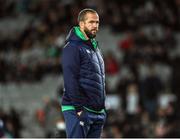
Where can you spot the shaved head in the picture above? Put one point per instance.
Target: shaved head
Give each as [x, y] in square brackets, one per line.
[84, 12]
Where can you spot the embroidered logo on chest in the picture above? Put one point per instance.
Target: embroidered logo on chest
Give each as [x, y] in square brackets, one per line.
[88, 51]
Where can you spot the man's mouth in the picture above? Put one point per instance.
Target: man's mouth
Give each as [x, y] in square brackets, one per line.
[94, 31]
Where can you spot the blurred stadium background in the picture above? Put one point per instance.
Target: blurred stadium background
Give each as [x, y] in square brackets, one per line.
[140, 41]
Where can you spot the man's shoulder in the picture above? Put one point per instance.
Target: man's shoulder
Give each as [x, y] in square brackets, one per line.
[73, 45]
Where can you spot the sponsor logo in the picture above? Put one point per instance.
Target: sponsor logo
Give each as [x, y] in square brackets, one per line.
[88, 51]
[81, 123]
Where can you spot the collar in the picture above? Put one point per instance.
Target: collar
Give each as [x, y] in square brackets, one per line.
[79, 33]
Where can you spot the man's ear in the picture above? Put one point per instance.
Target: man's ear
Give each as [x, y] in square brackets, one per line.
[81, 24]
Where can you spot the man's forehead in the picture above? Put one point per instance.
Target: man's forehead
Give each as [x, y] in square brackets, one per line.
[93, 16]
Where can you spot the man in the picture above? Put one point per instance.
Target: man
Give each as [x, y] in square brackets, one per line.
[83, 102]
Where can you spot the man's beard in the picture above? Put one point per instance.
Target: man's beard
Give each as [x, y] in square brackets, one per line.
[89, 34]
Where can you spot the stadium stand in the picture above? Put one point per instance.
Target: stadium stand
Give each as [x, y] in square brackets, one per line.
[140, 41]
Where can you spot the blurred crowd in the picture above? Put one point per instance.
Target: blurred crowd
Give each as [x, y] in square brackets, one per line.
[10, 123]
[145, 78]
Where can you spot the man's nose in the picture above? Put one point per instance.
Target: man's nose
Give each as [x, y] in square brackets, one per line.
[95, 25]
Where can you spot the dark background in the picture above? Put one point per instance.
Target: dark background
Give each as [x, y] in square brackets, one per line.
[140, 41]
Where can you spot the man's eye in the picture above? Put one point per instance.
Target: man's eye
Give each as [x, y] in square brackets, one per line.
[94, 22]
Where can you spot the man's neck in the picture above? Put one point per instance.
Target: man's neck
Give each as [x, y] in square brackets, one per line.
[84, 34]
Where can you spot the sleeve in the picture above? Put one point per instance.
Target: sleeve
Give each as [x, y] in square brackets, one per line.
[71, 69]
